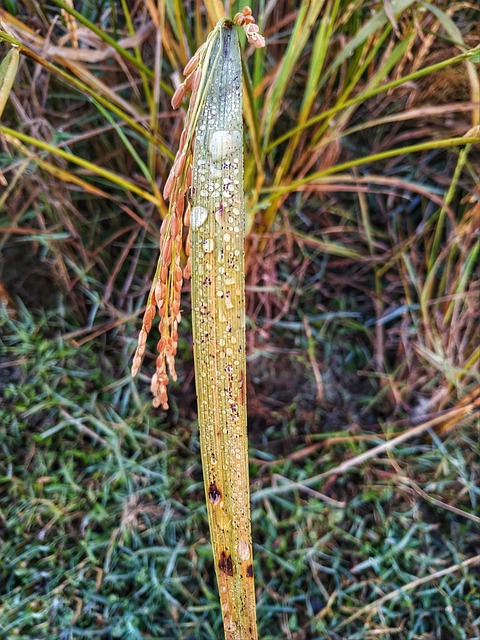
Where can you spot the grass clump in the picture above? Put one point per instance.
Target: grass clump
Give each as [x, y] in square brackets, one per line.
[362, 191]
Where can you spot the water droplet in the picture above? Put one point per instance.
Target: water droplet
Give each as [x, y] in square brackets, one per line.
[208, 245]
[225, 143]
[198, 217]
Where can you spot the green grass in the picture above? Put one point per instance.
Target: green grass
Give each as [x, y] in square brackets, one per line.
[362, 306]
[104, 530]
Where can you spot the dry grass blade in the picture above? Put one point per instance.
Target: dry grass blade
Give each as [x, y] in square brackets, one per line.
[373, 607]
[218, 310]
[450, 418]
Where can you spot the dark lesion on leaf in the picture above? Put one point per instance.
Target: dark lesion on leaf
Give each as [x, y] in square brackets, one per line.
[241, 390]
[250, 571]
[214, 493]
[225, 564]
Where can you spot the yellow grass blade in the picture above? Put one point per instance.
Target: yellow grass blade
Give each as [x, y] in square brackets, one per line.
[218, 312]
[94, 168]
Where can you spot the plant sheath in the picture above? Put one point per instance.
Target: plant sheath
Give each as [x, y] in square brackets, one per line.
[218, 313]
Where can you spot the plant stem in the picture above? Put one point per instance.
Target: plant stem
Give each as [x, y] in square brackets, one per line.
[218, 310]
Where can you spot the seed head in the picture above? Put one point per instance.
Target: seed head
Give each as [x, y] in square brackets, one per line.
[178, 96]
[191, 65]
[247, 21]
[165, 292]
[167, 189]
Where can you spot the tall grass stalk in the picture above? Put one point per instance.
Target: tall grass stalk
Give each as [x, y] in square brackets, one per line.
[218, 314]
[208, 172]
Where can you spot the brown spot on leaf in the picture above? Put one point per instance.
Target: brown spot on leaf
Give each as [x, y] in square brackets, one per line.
[250, 571]
[214, 493]
[225, 564]
[241, 389]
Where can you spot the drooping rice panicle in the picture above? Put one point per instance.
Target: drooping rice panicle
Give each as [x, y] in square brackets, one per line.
[164, 296]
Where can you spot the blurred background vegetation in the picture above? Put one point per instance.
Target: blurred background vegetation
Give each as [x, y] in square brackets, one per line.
[362, 168]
